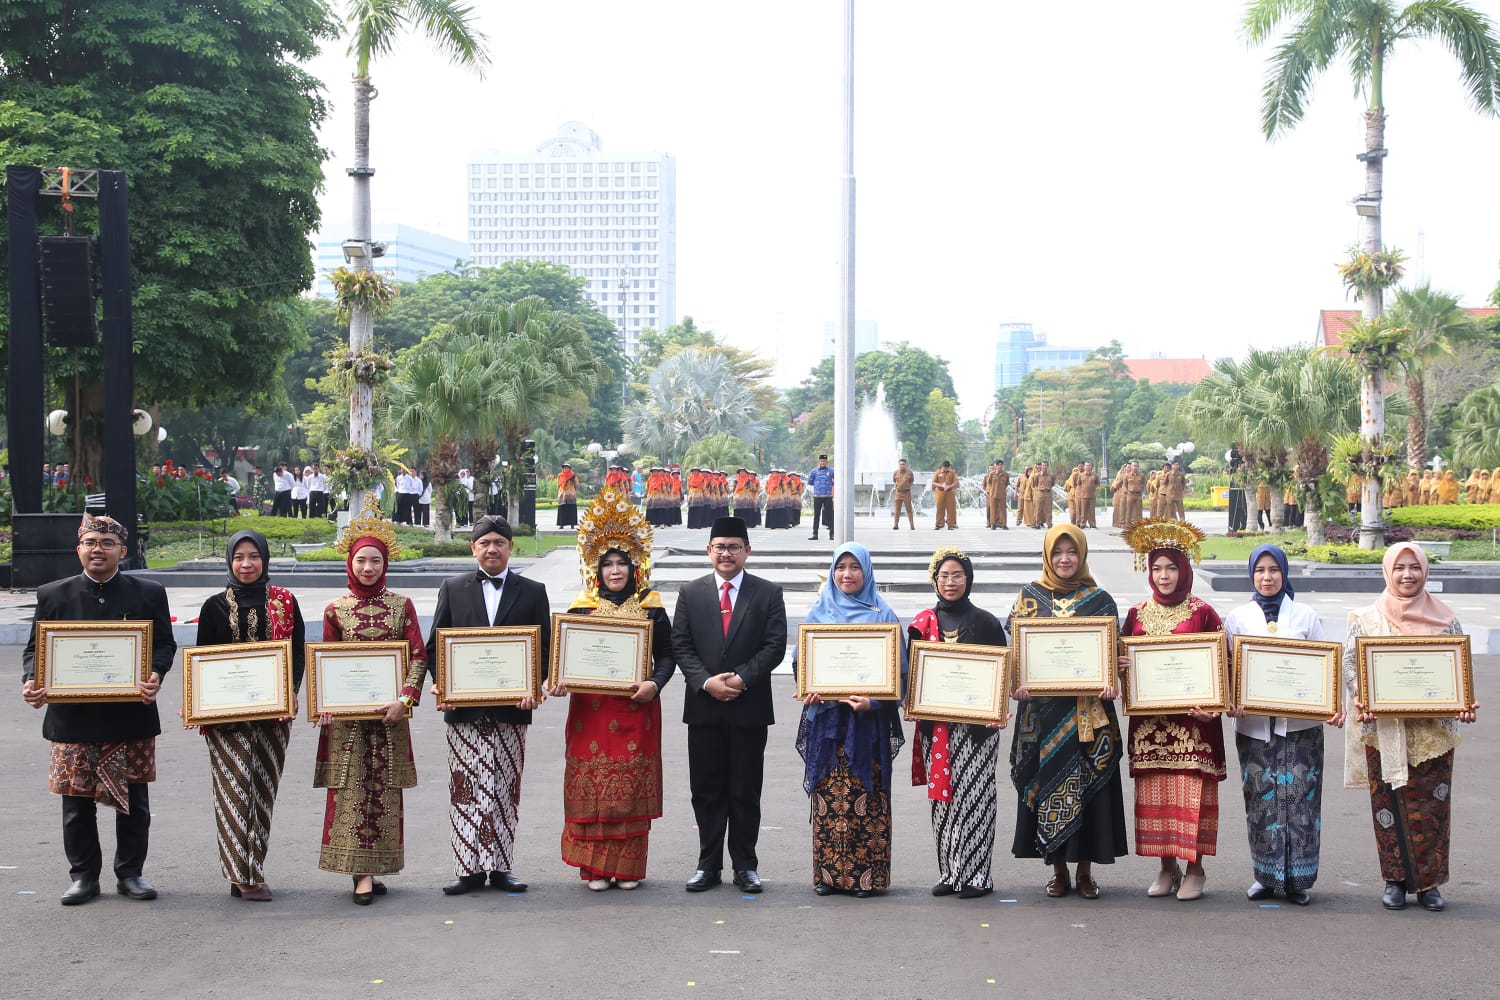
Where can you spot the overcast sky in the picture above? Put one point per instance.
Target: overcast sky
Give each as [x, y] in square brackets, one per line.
[1096, 168]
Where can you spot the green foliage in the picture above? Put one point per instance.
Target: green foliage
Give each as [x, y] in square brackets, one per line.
[368, 290]
[1059, 447]
[192, 499]
[1476, 431]
[719, 451]
[1367, 272]
[944, 441]
[1465, 516]
[657, 347]
[1351, 555]
[909, 375]
[694, 394]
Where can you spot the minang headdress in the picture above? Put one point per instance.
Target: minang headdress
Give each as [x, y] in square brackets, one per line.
[370, 523]
[1155, 533]
[612, 522]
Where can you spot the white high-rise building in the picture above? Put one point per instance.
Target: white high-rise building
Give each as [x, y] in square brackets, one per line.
[610, 218]
[410, 253]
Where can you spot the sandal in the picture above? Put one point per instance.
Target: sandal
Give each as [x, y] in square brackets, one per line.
[1059, 886]
[1087, 887]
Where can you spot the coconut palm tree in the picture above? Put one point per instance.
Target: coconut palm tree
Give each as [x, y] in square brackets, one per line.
[1366, 33]
[374, 26]
[1434, 324]
[1476, 439]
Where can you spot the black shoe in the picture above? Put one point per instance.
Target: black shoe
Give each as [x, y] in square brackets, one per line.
[863, 893]
[1258, 891]
[377, 887]
[1299, 896]
[506, 881]
[748, 880]
[135, 887]
[974, 892]
[1431, 900]
[943, 889]
[823, 890]
[463, 884]
[81, 892]
[1395, 896]
[703, 880]
[813, 538]
[363, 898]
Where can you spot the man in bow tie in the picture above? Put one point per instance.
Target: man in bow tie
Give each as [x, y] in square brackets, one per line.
[487, 746]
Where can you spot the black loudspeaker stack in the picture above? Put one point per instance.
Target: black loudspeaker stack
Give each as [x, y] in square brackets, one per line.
[68, 311]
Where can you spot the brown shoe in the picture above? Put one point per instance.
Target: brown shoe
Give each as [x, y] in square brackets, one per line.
[254, 893]
[1059, 886]
[1087, 887]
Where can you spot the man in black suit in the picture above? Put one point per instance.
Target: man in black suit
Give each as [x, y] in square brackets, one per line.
[728, 634]
[487, 746]
[103, 752]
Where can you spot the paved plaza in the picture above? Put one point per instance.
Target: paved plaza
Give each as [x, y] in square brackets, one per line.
[560, 940]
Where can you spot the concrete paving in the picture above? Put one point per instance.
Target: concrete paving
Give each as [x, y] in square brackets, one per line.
[559, 940]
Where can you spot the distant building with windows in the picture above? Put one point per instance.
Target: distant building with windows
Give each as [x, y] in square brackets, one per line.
[1021, 349]
[866, 337]
[410, 253]
[611, 218]
[1334, 323]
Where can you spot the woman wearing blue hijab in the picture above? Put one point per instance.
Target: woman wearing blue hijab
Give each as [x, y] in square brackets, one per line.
[1281, 760]
[848, 747]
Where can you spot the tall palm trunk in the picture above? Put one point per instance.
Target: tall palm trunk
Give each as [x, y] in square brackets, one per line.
[361, 328]
[1372, 386]
[1416, 433]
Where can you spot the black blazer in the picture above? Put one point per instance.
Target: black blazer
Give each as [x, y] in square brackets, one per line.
[754, 647]
[124, 598]
[460, 604]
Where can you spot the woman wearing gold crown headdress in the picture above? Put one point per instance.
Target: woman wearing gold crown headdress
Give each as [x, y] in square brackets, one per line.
[1177, 761]
[365, 765]
[612, 785]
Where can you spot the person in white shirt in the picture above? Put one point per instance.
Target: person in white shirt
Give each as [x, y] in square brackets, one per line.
[466, 513]
[408, 488]
[424, 501]
[281, 479]
[317, 491]
[299, 494]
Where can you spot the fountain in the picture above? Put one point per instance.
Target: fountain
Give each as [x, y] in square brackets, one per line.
[876, 450]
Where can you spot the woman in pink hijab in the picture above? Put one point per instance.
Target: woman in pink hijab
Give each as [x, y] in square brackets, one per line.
[1406, 763]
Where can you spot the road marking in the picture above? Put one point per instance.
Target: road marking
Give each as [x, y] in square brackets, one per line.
[713, 952]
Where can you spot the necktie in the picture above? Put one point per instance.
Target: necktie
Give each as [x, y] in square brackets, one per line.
[726, 610]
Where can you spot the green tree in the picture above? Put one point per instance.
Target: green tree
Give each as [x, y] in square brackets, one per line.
[694, 394]
[1366, 33]
[1476, 436]
[908, 373]
[944, 441]
[205, 108]
[373, 27]
[655, 347]
[1059, 446]
[1434, 325]
[720, 451]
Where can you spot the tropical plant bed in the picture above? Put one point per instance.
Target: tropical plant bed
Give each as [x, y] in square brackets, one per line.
[1463, 517]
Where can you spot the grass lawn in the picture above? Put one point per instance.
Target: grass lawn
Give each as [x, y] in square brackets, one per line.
[1237, 550]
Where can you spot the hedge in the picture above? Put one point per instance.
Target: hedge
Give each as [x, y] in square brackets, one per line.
[1464, 516]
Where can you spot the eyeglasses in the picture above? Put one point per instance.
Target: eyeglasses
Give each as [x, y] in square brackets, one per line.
[99, 543]
[726, 550]
[952, 577]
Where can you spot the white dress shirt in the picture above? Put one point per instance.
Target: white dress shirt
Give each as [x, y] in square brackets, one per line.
[1294, 621]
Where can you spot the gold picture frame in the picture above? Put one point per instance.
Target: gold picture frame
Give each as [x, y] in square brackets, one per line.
[843, 661]
[355, 680]
[1169, 674]
[476, 666]
[596, 654]
[1291, 678]
[958, 682]
[1437, 679]
[237, 682]
[92, 662]
[1064, 656]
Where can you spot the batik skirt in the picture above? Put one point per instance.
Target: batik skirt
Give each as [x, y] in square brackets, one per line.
[851, 829]
[1176, 814]
[246, 760]
[963, 829]
[1283, 781]
[1413, 822]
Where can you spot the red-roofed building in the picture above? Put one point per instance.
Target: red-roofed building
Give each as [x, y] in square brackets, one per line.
[1333, 322]
[1188, 371]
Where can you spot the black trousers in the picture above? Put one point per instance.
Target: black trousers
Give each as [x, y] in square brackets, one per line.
[1238, 512]
[726, 768]
[317, 504]
[81, 835]
[823, 514]
[281, 504]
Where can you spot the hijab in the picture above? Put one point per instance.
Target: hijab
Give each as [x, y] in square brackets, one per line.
[963, 604]
[632, 584]
[1419, 615]
[355, 587]
[252, 594]
[835, 607]
[1184, 576]
[1082, 578]
[1271, 606]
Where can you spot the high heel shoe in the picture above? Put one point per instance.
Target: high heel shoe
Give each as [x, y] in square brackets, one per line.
[1167, 882]
[1192, 887]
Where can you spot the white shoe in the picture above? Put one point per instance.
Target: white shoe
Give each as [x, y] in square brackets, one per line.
[598, 884]
[1167, 881]
[627, 883]
[1192, 887]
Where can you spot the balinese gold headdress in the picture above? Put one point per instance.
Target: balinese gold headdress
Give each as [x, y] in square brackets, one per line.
[945, 552]
[612, 522]
[1163, 533]
[372, 523]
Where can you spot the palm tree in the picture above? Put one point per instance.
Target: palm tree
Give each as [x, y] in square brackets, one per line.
[374, 26]
[1434, 325]
[1366, 33]
[1476, 439]
[692, 395]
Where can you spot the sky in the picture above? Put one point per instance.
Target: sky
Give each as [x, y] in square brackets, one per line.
[1096, 169]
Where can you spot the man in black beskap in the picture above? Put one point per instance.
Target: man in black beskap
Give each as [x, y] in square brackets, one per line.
[103, 752]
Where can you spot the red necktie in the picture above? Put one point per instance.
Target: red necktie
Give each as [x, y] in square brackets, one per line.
[726, 610]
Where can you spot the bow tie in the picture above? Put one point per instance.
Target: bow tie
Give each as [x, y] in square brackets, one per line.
[498, 581]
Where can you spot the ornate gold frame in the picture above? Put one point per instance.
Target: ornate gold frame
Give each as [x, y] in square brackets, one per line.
[557, 670]
[1368, 646]
[887, 688]
[528, 635]
[318, 651]
[1106, 677]
[196, 657]
[47, 632]
[995, 711]
[1244, 645]
[1137, 644]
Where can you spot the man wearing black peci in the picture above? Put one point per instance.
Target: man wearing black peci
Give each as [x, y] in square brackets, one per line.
[487, 746]
[105, 752]
[728, 634]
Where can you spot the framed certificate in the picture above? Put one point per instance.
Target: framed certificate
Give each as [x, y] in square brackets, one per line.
[489, 666]
[92, 661]
[354, 680]
[840, 661]
[953, 682]
[1168, 674]
[598, 655]
[1295, 678]
[1064, 656]
[239, 682]
[1414, 675]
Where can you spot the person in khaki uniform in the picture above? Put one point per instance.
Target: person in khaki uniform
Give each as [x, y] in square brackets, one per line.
[1131, 491]
[1176, 491]
[1447, 488]
[1070, 490]
[902, 480]
[1262, 504]
[995, 483]
[1153, 493]
[1023, 496]
[1424, 492]
[1117, 495]
[1087, 485]
[1042, 482]
[1494, 496]
[1471, 485]
[945, 495]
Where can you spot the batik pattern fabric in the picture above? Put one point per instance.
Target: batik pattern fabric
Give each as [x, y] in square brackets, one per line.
[1413, 822]
[1283, 783]
[851, 827]
[1065, 755]
[485, 761]
[103, 772]
[365, 765]
[246, 761]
